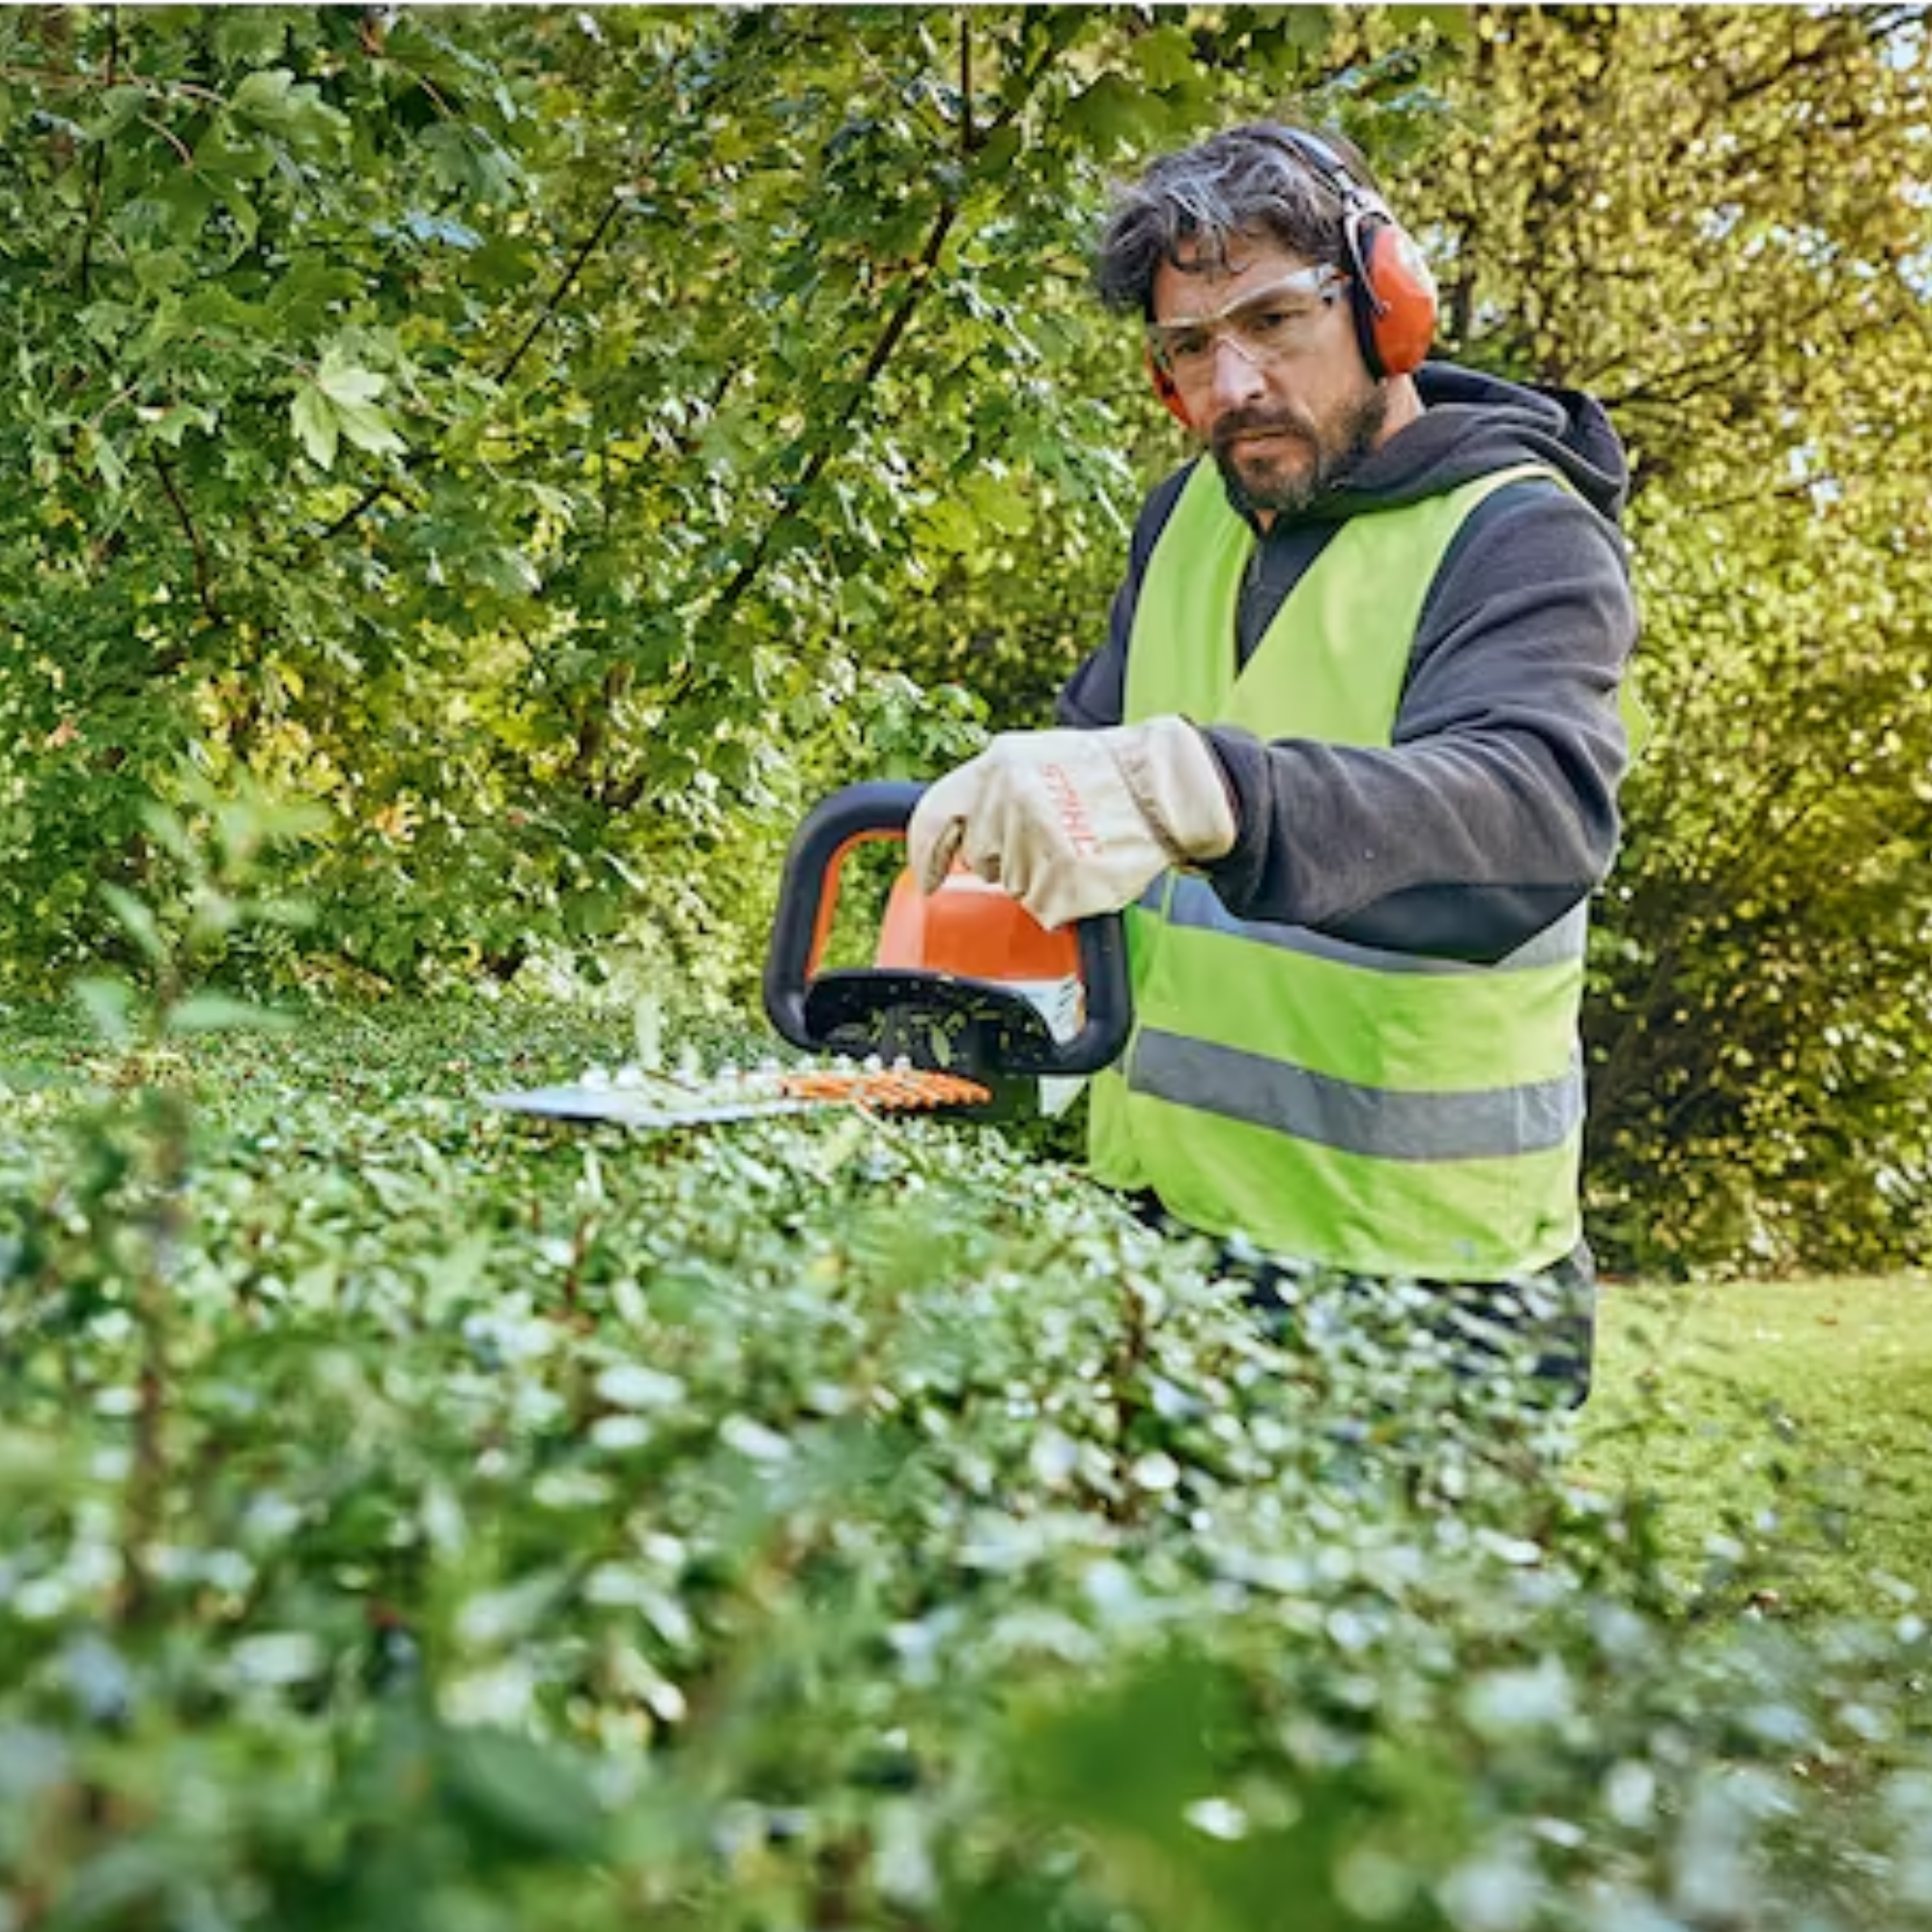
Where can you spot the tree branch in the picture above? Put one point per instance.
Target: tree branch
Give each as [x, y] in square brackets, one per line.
[96, 185]
[685, 678]
[1718, 506]
[968, 141]
[890, 337]
[1671, 388]
[618, 202]
[80, 83]
[1824, 46]
[204, 584]
[173, 139]
[377, 490]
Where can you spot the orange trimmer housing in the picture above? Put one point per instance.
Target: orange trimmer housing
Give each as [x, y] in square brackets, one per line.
[972, 929]
[959, 975]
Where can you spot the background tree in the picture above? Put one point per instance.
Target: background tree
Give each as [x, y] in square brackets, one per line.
[1715, 219]
[527, 431]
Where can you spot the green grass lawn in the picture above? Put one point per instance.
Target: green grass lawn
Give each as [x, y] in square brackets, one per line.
[1786, 1429]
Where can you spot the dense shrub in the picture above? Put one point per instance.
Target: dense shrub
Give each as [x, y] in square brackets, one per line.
[413, 1516]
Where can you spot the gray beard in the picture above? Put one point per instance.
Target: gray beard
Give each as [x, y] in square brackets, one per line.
[1335, 461]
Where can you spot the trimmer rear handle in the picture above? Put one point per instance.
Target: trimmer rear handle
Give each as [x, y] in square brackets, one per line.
[808, 894]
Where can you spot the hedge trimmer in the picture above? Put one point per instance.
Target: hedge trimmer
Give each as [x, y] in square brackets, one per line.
[970, 1008]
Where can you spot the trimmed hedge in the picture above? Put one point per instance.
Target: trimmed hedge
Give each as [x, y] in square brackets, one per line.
[413, 1516]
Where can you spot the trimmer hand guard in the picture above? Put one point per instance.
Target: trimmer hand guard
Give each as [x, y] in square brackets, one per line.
[943, 1021]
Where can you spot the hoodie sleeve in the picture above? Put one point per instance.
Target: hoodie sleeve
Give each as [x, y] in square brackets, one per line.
[1493, 810]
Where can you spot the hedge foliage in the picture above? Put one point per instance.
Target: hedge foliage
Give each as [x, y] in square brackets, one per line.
[415, 1516]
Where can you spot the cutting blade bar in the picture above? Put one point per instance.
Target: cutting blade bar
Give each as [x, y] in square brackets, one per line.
[662, 1104]
[627, 1108]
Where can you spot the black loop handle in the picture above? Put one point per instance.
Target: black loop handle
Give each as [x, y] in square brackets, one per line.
[807, 892]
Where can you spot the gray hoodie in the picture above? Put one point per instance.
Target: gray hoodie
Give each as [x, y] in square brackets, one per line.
[1493, 810]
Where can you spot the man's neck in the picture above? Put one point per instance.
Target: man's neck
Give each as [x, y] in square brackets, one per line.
[1405, 407]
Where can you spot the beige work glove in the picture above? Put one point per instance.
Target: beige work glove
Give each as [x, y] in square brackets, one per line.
[1075, 823]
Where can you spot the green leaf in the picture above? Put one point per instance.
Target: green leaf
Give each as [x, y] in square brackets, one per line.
[343, 381]
[265, 94]
[218, 1012]
[1000, 151]
[136, 919]
[105, 459]
[347, 393]
[1456, 23]
[1165, 56]
[109, 1005]
[1309, 28]
[272, 101]
[1111, 112]
[369, 428]
[120, 108]
[505, 571]
[315, 422]
[174, 423]
[527, 1794]
[250, 34]
[466, 159]
[169, 831]
[303, 296]
[157, 271]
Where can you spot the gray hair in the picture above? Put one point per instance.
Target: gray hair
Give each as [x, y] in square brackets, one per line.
[1250, 182]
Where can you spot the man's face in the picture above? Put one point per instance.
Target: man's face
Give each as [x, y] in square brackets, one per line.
[1274, 379]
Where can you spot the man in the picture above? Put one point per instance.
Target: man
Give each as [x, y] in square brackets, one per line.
[1350, 753]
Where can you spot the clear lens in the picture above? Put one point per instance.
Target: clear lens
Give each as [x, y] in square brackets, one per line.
[1265, 325]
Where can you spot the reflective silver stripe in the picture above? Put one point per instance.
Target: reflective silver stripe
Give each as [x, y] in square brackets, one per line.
[1481, 1123]
[1196, 904]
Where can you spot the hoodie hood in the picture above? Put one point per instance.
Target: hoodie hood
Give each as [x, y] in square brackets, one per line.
[1473, 425]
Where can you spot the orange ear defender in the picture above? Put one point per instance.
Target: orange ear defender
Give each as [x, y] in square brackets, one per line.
[1165, 388]
[1391, 290]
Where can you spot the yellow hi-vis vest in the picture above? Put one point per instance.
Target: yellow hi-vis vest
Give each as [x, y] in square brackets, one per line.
[1375, 1111]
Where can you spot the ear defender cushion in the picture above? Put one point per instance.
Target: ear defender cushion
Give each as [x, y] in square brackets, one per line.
[1395, 313]
[1170, 396]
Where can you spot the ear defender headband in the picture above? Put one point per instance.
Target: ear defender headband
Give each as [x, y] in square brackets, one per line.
[1391, 293]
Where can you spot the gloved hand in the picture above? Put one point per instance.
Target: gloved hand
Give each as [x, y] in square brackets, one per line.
[1075, 823]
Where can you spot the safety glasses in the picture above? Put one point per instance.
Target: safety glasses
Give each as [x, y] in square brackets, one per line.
[1264, 324]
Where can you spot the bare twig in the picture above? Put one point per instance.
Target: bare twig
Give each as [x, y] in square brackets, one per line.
[967, 139]
[173, 139]
[97, 184]
[568, 280]
[81, 84]
[204, 582]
